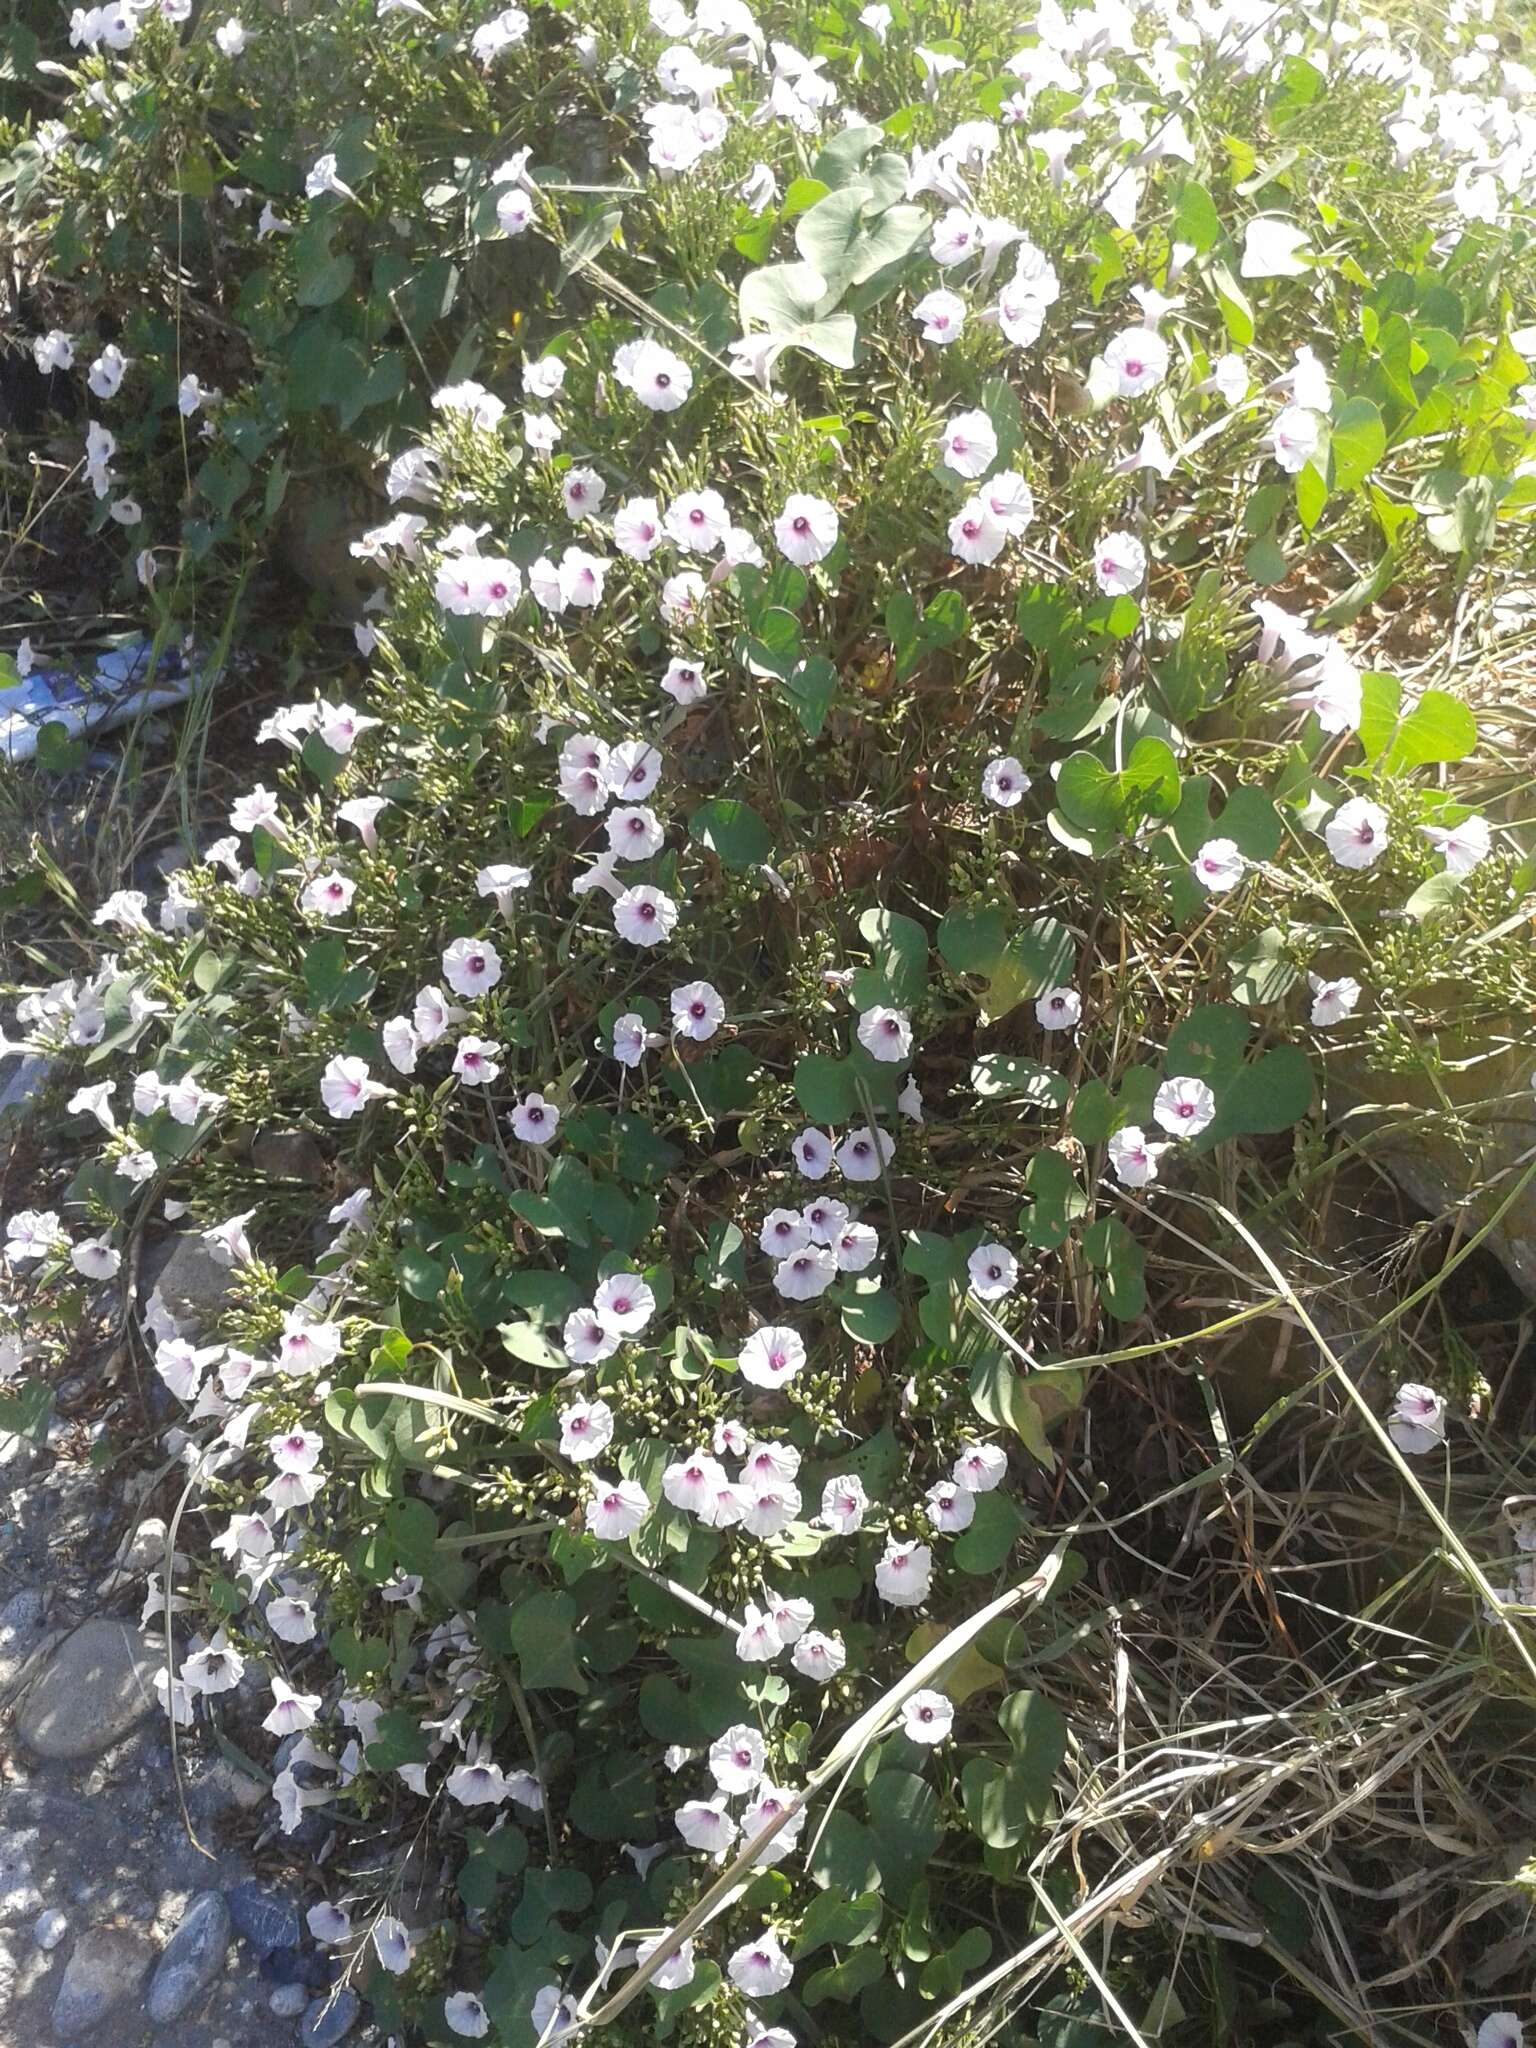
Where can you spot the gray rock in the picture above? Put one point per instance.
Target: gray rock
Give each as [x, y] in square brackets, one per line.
[105, 1968]
[194, 1283]
[289, 1155]
[19, 1901]
[23, 1612]
[55, 1812]
[8, 1972]
[1457, 1167]
[328, 2020]
[19, 1638]
[224, 1786]
[50, 1928]
[266, 1920]
[24, 1083]
[19, 1457]
[141, 1551]
[97, 1683]
[144, 1546]
[288, 2001]
[193, 1957]
[19, 1896]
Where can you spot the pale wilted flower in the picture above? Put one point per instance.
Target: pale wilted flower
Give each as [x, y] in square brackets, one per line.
[1333, 1001]
[1464, 845]
[1417, 1421]
[1273, 247]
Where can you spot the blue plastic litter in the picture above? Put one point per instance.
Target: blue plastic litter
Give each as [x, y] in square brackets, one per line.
[125, 683]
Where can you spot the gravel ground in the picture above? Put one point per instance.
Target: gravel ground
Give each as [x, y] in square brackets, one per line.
[123, 1920]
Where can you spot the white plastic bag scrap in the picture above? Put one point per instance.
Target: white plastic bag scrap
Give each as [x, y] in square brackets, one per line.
[125, 683]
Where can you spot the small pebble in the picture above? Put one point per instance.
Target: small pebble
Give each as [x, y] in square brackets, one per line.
[288, 2001]
[50, 1927]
